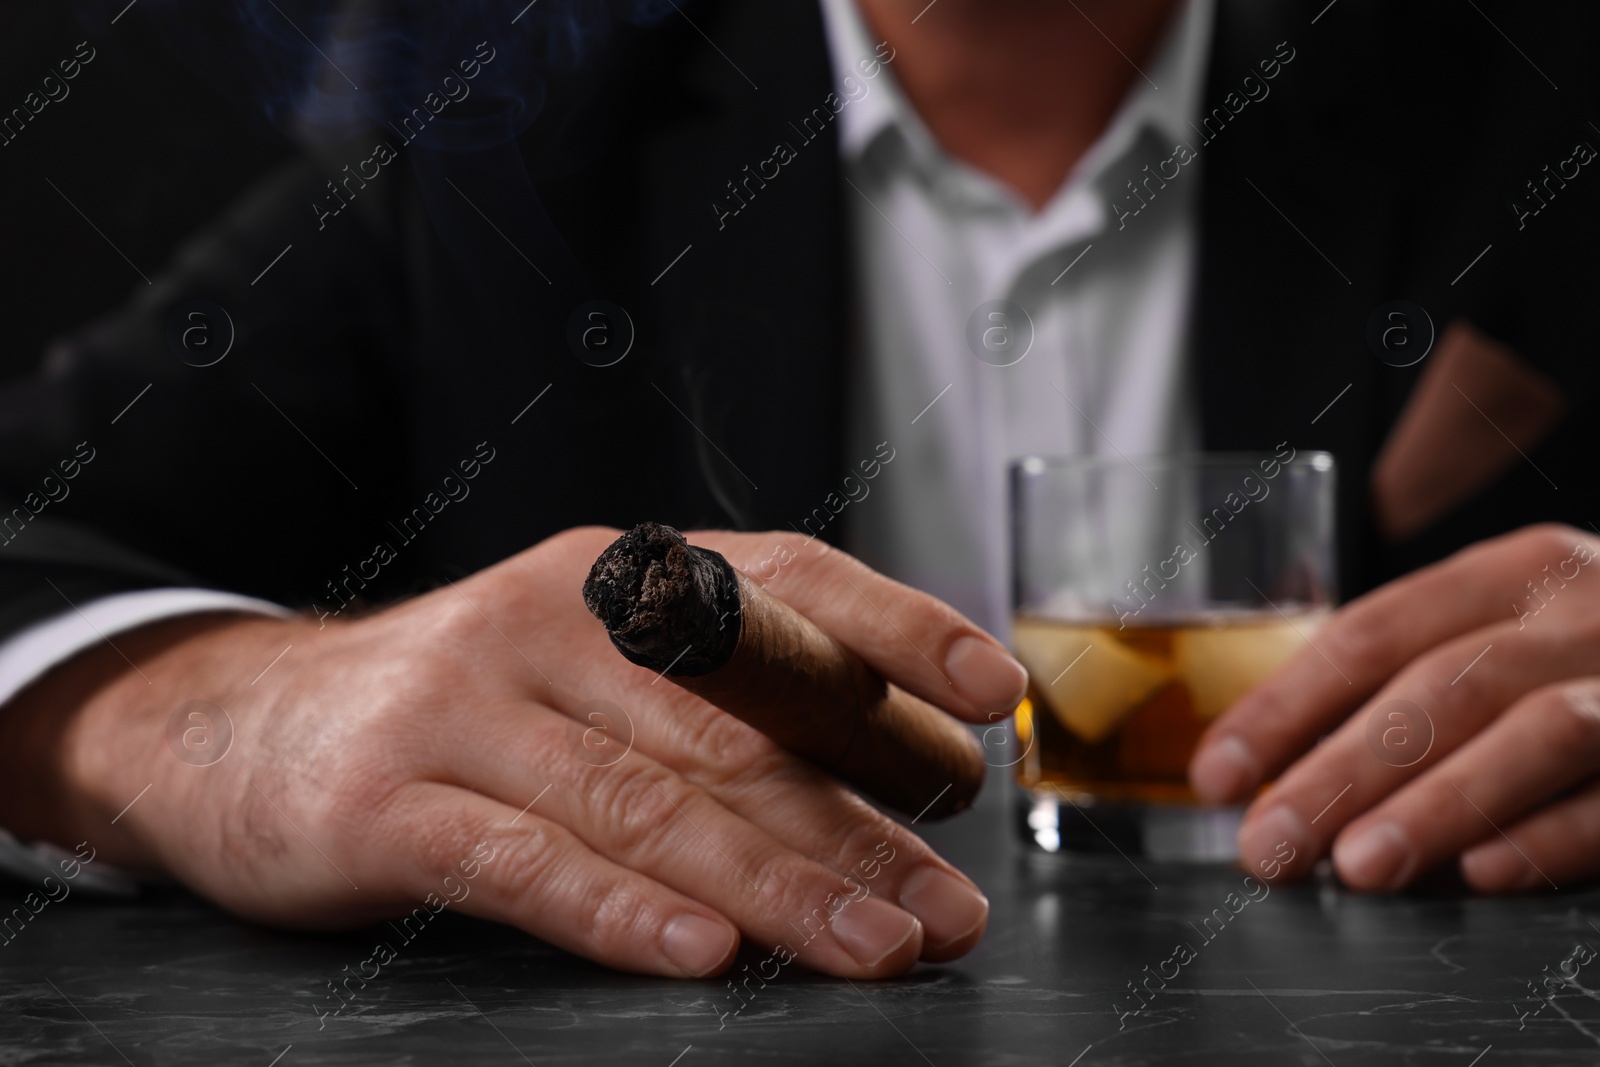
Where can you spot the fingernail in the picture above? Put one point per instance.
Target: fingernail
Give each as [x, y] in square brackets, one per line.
[870, 929]
[985, 674]
[950, 909]
[1495, 867]
[1224, 770]
[1485, 867]
[697, 944]
[1274, 841]
[1379, 857]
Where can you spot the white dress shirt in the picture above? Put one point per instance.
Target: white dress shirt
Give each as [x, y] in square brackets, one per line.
[1107, 294]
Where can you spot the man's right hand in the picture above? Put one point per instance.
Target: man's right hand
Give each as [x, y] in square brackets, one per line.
[452, 746]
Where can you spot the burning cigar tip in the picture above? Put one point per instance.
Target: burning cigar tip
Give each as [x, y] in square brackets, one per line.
[665, 603]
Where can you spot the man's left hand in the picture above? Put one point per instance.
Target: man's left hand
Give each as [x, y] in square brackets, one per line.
[1475, 734]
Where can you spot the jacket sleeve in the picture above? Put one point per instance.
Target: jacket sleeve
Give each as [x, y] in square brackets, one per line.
[236, 450]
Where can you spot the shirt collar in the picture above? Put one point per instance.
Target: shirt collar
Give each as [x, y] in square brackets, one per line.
[1165, 97]
[1179, 70]
[871, 105]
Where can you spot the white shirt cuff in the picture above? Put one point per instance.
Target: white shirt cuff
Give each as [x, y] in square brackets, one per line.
[42, 859]
[27, 655]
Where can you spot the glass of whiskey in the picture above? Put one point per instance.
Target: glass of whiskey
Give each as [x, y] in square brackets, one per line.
[1149, 595]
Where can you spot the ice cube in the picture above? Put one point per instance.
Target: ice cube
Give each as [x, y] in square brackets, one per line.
[1221, 664]
[1088, 679]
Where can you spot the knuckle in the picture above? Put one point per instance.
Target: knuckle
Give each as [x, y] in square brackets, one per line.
[734, 753]
[1271, 718]
[925, 611]
[863, 842]
[635, 807]
[775, 775]
[1552, 536]
[713, 730]
[787, 887]
[1531, 546]
[532, 852]
[1460, 706]
[454, 623]
[791, 542]
[622, 913]
[579, 539]
[527, 859]
[1571, 713]
[1364, 635]
[789, 558]
[434, 629]
[433, 839]
[360, 787]
[435, 842]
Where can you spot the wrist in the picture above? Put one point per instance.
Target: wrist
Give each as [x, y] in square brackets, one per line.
[86, 738]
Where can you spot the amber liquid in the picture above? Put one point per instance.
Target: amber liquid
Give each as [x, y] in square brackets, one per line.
[1116, 713]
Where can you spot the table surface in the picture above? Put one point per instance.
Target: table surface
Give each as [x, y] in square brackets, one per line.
[1307, 975]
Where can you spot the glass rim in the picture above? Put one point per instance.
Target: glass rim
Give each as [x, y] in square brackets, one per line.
[1322, 460]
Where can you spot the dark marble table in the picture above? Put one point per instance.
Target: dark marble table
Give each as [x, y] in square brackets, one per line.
[1308, 975]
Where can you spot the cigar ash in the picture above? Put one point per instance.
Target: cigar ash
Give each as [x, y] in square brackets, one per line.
[668, 606]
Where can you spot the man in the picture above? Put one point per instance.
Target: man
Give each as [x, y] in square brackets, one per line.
[425, 380]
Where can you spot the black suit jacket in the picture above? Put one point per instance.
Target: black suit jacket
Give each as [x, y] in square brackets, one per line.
[395, 346]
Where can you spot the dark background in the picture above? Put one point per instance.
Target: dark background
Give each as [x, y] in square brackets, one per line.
[144, 147]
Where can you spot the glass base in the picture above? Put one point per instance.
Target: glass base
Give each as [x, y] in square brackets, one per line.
[1078, 822]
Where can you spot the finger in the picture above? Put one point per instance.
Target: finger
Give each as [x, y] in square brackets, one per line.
[1553, 847]
[537, 876]
[1544, 744]
[1358, 766]
[641, 815]
[1363, 645]
[790, 799]
[916, 641]
[800, 805]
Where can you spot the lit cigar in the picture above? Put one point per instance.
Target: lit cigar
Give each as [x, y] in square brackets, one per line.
[686, 613]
